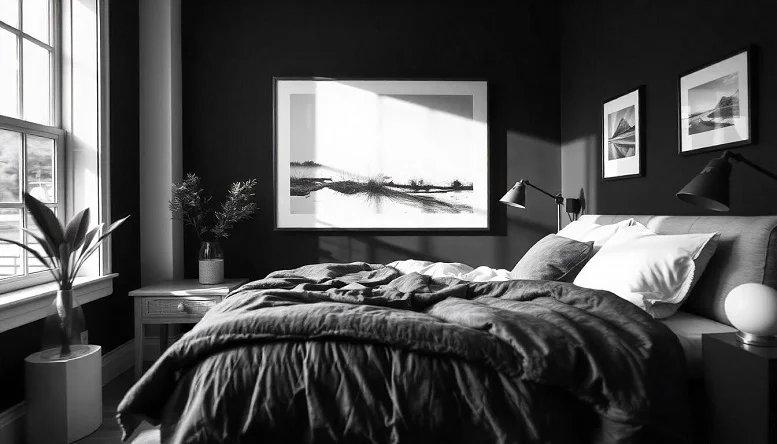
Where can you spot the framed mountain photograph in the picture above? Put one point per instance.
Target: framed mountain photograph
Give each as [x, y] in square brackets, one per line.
[623, 153]
[714, 106]
[381, 154]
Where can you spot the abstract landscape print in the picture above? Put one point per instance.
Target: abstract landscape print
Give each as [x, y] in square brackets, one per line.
[621, 136]
[622, 141]
[381, 155]
[715, 106]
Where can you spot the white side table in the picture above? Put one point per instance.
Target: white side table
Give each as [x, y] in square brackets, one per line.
[174, 302]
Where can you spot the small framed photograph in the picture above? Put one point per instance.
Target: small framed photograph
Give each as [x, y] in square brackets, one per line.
[623, 152]
[714, 106]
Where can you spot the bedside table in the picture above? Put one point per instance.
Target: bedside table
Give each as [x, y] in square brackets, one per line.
[174, 302]
[741, 385]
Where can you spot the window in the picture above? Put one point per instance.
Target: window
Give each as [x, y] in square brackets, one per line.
[31, 143]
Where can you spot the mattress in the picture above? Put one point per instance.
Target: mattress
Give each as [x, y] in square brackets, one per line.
[689, 328]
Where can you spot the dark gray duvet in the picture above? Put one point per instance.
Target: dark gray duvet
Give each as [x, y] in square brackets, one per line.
[358, 353]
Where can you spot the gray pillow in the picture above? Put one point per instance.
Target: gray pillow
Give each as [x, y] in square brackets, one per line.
[553, 258]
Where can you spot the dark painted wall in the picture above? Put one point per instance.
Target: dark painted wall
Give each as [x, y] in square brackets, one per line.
[609, 47]
[109, 319]
[232, 50]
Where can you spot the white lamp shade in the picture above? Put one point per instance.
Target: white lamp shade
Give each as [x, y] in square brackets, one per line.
[752, 308]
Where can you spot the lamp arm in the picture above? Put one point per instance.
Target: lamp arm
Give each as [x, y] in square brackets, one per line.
[557, 197]
[740, 158]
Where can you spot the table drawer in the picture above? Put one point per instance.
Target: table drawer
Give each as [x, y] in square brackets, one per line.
[178, 307]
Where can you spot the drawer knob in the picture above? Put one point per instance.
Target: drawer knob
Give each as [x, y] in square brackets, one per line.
[181, 307]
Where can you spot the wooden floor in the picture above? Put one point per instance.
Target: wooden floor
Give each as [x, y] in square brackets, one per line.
[109, 432]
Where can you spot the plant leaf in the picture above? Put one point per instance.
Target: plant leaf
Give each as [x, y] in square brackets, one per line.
[46, 221]
[34, 253]
[93, 248]
[90, 236]
[43, 242]
[76, 229]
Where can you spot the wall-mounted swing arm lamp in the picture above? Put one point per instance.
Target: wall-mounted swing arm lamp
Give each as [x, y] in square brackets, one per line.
[516, 197]
[750, 307]
[710, 188]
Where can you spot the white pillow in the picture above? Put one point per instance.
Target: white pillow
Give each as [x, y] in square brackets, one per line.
[599, 234]
[654, 272]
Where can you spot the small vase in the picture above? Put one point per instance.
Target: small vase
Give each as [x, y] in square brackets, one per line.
[211, 263]
[64, 329]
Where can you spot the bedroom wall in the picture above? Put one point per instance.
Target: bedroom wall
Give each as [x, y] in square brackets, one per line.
[109, 319]
[232, 50]
[607, 49]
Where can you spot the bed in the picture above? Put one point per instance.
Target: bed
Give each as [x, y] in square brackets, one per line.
[362, 353]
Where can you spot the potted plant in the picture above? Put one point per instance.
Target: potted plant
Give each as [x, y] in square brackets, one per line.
[64, 252]
[71, 410]
[190, 205]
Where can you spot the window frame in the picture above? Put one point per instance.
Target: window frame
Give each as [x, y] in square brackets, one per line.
[58, 135]
[27, 127]
[55, 61]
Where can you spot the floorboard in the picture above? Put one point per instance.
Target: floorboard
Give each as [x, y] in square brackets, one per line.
[109, 431]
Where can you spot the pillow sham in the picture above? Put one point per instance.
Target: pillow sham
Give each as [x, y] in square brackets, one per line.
[553, 258]
[599, 234]
[654, 272]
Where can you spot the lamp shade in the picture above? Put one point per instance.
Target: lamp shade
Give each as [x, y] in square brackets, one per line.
[752, 309]
[515, 196]
[709, 189]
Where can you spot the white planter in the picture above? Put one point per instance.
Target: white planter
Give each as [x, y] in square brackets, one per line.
[211, 271]
[64, 396]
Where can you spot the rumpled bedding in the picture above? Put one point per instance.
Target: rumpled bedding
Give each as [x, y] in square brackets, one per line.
[363, 353]
[452, 269]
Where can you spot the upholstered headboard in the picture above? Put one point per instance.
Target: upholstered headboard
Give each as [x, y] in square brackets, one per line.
[747, 252]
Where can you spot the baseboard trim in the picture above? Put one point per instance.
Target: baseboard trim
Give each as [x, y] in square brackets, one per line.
[12, 424]
[118, 361]
[115, 362]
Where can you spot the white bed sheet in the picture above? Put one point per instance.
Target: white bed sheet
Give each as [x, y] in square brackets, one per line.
[689, 328]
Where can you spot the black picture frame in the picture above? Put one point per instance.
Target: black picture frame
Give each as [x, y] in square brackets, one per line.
[639, 137]
[485, 229]
[749, 53]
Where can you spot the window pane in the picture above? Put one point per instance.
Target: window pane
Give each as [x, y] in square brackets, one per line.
[33, 264]
[36, 83]
[10, 157]
[9, 74]
[40, 168]
[35, 14]
[10, 255]
[9, 12]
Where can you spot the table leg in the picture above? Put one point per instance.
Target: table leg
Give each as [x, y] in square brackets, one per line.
[162, 338]
[138, 338]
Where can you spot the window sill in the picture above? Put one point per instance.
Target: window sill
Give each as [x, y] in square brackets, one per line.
[26, 305]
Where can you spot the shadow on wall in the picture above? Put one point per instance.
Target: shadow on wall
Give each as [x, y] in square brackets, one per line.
[527, 157]
[580, 172]
[471, 250]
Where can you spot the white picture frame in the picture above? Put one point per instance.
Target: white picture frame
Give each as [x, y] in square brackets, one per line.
[402, 155]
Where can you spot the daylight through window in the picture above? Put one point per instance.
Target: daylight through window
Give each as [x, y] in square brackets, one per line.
[31, 143]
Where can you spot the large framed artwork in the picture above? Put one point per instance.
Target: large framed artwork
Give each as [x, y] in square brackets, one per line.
[381, 154]
[623, 148]
[714, 106]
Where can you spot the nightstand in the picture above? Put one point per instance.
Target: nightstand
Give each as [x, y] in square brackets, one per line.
[741, 385]
[174, 302]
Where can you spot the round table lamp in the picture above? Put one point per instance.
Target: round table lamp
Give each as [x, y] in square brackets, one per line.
[752, 309]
